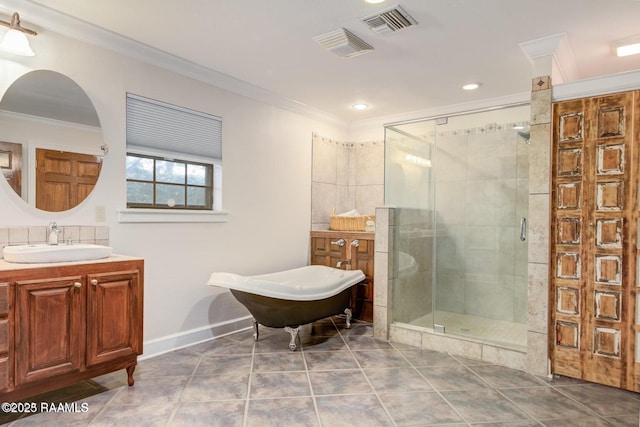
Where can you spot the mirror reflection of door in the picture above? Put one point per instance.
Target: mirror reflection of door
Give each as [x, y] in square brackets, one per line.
[64, 179]
[11, 164]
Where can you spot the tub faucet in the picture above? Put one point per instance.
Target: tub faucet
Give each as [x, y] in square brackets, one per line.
[343, 262]
[54, 231]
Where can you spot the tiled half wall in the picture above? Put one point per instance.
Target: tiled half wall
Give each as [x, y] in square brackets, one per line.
[38, 234]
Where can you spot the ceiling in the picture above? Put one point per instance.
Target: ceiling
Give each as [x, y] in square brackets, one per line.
[269, 44]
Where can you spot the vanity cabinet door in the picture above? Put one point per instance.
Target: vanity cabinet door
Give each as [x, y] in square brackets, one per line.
[50, 327]
[114, 318]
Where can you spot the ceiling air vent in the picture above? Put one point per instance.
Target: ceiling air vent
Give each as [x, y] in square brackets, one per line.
[343, 43]
[389, 21]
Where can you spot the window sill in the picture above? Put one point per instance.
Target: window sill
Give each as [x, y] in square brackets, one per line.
[165, 215]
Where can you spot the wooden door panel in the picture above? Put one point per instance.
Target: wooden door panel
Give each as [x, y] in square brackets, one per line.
[608, 305]
[610, 159]
[568, 300]
[571, 124]
[609, 233]
[593, 277]
[570, 162]
[611, 120]
[569, 231]
[64, 179]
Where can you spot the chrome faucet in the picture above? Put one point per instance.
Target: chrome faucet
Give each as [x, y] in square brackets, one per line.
[343, 262]
[54, 231]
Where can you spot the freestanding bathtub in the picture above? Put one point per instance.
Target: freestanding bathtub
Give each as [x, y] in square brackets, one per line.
[291, 298]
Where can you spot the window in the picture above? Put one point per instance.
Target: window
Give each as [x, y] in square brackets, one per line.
[174, 157]
[154, 182]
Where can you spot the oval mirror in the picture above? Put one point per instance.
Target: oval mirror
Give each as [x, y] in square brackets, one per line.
[51, 145]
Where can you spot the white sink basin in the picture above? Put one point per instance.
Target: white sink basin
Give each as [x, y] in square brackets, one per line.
[43, 253]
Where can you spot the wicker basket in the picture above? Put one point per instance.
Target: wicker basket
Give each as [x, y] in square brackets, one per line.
[349, 223]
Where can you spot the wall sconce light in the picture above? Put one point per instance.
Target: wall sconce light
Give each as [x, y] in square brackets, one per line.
[15, 41]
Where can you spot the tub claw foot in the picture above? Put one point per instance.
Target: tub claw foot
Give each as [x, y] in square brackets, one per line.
[349, 314]
[294, 335]
[255, 331]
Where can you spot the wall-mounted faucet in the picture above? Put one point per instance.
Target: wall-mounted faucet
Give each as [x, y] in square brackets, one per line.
[54, 231]
[343, 262]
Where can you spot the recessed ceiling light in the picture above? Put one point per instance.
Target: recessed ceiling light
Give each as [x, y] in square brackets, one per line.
[471, 86]
[374, 1]
[628, 46]
[360, 107]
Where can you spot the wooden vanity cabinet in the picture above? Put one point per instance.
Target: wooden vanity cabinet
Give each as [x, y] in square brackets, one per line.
[70, 323]
[325, 250]
[6, 341]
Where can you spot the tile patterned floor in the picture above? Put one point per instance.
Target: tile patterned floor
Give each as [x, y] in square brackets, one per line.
[338, 377]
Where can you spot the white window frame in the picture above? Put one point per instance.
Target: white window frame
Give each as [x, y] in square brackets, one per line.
[137, 215]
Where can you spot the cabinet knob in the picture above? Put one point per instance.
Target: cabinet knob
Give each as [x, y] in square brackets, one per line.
[77, 284]
[339, 242]
[94, 282]
[355, 243]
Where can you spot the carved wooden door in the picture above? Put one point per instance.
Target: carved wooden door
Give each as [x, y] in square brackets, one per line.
[594, 239]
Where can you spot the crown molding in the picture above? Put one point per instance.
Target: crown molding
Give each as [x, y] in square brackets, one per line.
[446, 110]
[52, 20]
[557, 47]
[621, 82]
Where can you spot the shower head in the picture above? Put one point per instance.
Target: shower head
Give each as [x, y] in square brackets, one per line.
[525, 135]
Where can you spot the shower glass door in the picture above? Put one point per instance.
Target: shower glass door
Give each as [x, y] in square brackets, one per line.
[460, 249]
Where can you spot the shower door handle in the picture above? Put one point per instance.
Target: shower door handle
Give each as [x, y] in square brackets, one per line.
[523, 228]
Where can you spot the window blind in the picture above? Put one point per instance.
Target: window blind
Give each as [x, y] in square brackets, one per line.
[160, 126]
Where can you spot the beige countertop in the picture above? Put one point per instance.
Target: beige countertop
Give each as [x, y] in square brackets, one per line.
[8, 266]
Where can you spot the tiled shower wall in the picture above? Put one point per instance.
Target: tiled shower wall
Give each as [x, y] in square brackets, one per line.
[38, 234]
[345, 176]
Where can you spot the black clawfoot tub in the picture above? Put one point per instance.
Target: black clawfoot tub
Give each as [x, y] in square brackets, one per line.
[291, 298]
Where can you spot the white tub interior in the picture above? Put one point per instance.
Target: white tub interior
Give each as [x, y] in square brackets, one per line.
[308, 283]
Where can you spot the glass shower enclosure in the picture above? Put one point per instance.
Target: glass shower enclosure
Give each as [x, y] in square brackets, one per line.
[459, 185]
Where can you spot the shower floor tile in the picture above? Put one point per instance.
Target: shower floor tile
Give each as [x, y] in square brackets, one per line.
[353, 381]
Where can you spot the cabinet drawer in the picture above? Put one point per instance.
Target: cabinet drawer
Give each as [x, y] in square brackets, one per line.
[4, 299]
[4, 336]
[4, 373]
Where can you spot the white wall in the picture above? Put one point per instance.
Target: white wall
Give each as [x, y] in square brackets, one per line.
[266, 187]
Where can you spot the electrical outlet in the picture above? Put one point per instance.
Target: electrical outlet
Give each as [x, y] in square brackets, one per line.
[100, 214]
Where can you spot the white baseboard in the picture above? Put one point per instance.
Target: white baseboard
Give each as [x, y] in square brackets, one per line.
[158, 346]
